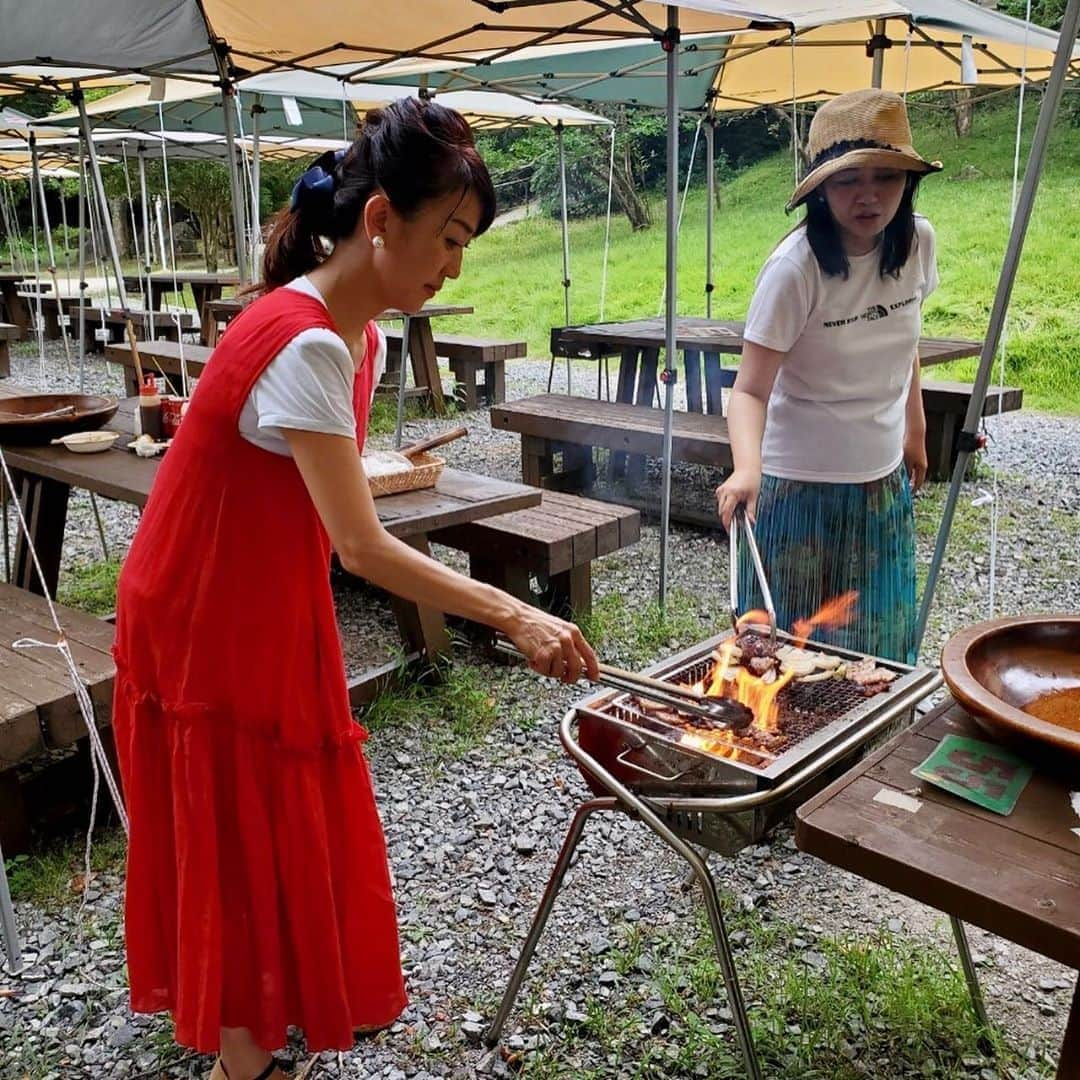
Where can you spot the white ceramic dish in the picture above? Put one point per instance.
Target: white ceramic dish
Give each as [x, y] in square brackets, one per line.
[88, 442]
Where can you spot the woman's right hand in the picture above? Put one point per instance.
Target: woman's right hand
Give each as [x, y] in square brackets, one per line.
[551, 645]
[739, 489]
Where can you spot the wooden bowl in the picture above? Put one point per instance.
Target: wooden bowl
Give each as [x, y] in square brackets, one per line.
[34, 420]
[995, 668]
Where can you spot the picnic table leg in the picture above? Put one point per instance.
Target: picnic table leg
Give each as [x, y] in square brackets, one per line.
[5, 359]
[44, 505]
[537, 462]
[692, 367]
[422, 628]
[425, 363]
[18, 312]
[1069, 1061]
[646, 396]
[941, 432]
[628, 365]
[714, 384]
[495, 383]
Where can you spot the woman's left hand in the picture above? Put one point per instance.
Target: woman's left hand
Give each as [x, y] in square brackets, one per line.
[915, 460]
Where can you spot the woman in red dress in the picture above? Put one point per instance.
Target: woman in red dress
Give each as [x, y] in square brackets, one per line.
[258, 891]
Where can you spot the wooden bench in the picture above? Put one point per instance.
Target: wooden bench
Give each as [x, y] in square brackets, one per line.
[216, 314]
[556, 542]
[161, 358]
[38, 710]
[469, 358]
[9, 332]
[114, 321]
[946, 405]
[556, 424]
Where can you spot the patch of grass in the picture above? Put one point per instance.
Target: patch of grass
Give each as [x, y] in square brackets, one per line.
[53, 876]
[839, 1008]
[91, 588]
[641, 634]
[970, 217]
[454, 705]
[383, 417]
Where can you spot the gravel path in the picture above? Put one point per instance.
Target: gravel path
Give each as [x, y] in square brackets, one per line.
[472, 840]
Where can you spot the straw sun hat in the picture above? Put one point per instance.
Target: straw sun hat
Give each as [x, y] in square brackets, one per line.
[863, 127]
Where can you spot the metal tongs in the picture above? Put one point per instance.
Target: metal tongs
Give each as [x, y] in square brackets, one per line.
[719, 712]
[739, 521]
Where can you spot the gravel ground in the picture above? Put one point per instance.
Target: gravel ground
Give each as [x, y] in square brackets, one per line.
[472, 840]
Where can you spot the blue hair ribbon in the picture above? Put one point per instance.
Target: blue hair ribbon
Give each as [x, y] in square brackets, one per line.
[316, 179]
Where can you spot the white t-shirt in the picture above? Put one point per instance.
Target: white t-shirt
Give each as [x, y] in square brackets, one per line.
[308, 386]
[837, 410]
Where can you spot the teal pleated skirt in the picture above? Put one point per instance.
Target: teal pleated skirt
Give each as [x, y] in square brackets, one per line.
[819, 541]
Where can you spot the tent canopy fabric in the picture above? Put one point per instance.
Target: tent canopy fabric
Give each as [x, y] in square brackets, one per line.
[196, 106]
[256, 36]
[758, 67]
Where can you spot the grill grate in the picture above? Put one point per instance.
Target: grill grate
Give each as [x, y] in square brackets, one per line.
[803, 709]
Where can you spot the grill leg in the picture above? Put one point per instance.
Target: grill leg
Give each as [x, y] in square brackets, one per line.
[968, 965]
[727, 961]
[9, 932]
[573, 838]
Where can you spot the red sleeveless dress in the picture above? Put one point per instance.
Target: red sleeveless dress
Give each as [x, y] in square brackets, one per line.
[258, 891]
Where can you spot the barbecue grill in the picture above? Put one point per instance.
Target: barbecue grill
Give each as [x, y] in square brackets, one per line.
[718, 787]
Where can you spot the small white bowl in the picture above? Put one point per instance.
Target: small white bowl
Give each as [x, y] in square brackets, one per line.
[88, 442]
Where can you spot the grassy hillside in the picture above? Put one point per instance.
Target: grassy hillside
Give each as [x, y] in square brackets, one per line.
[512, 275]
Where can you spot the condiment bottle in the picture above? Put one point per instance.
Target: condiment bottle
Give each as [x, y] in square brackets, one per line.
[149, 408]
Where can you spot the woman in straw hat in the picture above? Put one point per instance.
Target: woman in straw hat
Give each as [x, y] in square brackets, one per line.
[258, 891]
[826, 420]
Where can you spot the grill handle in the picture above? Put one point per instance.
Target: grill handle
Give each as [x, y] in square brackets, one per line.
[739, 521]
[623, 759]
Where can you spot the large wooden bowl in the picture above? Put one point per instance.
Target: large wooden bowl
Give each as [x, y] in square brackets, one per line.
[25, 420]
[995, 668]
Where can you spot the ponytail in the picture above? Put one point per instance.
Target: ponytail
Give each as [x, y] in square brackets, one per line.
[412, 150]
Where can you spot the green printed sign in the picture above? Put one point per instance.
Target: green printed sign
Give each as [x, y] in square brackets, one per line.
[980, 772]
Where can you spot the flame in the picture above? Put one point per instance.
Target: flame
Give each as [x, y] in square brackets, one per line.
[832, 614]
[731, 680]
[752, 618]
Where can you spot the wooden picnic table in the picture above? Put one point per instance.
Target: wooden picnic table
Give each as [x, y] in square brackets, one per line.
[12, 284]
[205, 285]
[638, 344]
[46, 475]
[1017, 876]
[425, 364]
[422, 356]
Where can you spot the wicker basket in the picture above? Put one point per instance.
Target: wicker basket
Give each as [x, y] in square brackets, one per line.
[424, 474]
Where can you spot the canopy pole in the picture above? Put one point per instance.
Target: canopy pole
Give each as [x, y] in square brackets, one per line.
[878, 68]
[565, 237]
[670, 44]
[51, 248]
[239, 214]
[39, 318]
[710, 205]
[256, 167]
[1052, 95]
[607, 225]
[82, 265]
[148, 257]
[99, 193]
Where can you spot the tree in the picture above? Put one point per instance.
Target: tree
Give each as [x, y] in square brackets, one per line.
[1048, 13]
[202, 188]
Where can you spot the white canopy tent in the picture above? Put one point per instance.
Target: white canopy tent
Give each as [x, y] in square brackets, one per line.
[277, 107]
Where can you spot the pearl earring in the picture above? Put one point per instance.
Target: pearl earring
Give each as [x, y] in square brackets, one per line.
[378, 241]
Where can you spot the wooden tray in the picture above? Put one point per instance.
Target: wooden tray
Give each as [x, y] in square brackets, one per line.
[425, 473]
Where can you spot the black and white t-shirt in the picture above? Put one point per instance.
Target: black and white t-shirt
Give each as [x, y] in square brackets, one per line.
[837, 410]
